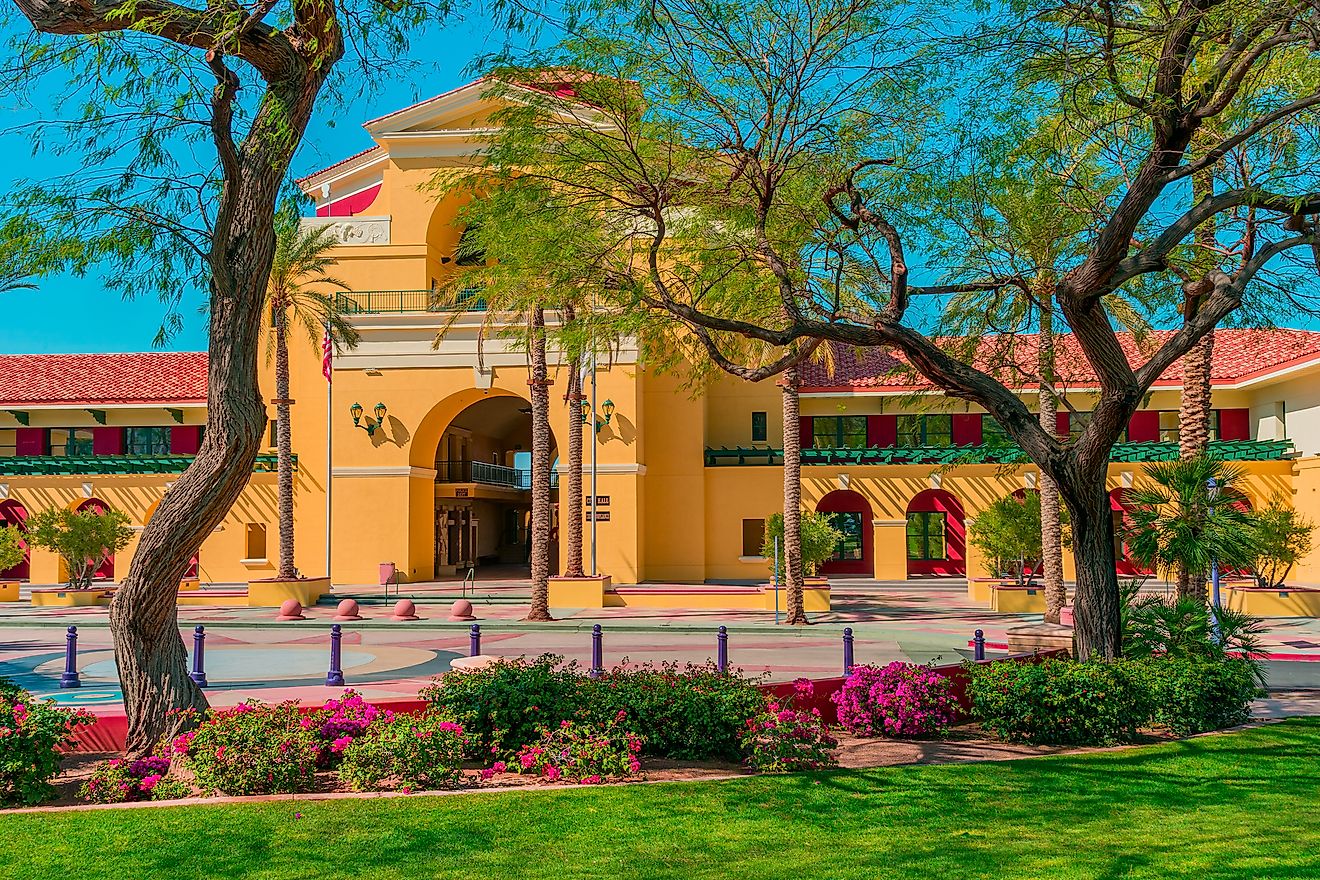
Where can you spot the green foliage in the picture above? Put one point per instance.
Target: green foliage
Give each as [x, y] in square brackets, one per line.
[119, 781]
[253, 748]
[1159, 626]
[1008, 533]
[819, 538]
[1174, 523]
[583, 752]
[13, 549]
[409, 752]
[301, 289]
[1280, 536]
[1060, 702]
[83, 538]
[784, 739]
[31, 732]
[1197, 694]
[690, 713]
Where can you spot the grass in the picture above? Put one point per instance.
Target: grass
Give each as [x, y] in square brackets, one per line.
[1240, 805]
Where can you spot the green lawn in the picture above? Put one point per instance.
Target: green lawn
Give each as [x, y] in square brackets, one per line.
[1245, 805]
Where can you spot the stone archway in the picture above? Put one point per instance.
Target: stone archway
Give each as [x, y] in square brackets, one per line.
[850, 513]
[14, 514]
[936, 535]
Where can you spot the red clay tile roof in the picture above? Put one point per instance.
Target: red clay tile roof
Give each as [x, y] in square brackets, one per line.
[159, 377]
[1239, 355]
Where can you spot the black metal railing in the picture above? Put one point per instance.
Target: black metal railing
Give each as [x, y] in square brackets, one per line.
[371, 302]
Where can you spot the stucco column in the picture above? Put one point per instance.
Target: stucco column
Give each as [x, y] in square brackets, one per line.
[890, 549]
[977, 565]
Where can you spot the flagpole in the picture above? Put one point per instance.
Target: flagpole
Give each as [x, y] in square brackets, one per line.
[594, 429]
[328, 367]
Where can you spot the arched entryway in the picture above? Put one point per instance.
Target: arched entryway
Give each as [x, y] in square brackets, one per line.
[106, 570]
[483, 487]
[1118, 512]
[850, 513]
[14, 514]
[936, 535]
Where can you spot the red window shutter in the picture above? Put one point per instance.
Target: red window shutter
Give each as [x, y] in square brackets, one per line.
[185, 439]
[804, 431]
[1062, 424]
[966, 429]
[108, 441]
[1144, 427]
[881, 431]
[1234, 424]
[31, 441]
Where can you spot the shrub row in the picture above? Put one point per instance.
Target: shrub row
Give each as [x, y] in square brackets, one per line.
[1064, 702]
[684, 713]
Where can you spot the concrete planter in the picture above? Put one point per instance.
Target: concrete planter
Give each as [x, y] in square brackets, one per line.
[583, 592]
[65, 598]
[1014, 599]
[274, 592]
[8, 591]
[1273, 601]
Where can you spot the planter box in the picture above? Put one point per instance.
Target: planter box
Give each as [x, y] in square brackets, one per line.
[814, 598]
[1040, 637]
[978, 590]
[273, 592]
[8, 591]
[1014, 599]
[58, 598]
[583, 592]
[189, 584]
[1273, 602]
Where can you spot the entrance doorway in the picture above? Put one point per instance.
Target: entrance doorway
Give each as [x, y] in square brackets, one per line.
[850, 513]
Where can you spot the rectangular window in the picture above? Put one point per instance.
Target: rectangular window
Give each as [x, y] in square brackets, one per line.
[1168, 426]
[273, 439]
[925, 535]
[927, 430]
[256, 541]
[759, 427]
[148, 441]
[70, 441]
[1214, 426]
[993, 433]
[8, 442]
[753, 537]
[1077, 422]
[838, 432]
[852, 546]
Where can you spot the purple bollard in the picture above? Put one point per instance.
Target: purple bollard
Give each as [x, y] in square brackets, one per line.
[847, 650]
[335, 677]
[198, 674]
[70, 677]
[978, 645]
[722, 650]
[597, 666]
[474, 640]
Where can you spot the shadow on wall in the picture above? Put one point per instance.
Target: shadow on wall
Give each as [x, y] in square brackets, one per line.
[397, 434]
[619, 428]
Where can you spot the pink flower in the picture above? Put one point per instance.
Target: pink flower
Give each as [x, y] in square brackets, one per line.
[552, 772]
[149, 782]
[340, 744]
[487, 773]
[305, 724]
[634, 766]
[219, 752]
[498, 767]
[527, 759]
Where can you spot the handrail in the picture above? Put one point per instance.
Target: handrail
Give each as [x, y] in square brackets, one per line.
[370, 302]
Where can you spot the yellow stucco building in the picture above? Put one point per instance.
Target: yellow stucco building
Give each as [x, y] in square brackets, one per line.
[427, 459]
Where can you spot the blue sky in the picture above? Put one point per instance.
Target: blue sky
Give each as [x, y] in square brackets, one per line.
[67, 314]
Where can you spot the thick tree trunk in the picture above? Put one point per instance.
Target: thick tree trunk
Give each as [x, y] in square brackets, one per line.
[284, 440]
[1099, 629]
[793, 578]
[1051, 522]
[570, 501]
[539, 383]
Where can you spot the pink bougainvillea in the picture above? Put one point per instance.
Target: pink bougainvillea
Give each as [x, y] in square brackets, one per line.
[901, 699]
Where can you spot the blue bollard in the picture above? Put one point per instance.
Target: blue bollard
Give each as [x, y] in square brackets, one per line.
[335, 677]
[847, 650]
[978, 645]
[722, 650]
[198, 674]
[474, 640]
[597, 664]
[70, 677]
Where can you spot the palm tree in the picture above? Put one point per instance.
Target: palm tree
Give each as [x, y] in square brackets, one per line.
[793, 573]
[539, 383]
[1175, 524]
[570, 501]
[301, 264]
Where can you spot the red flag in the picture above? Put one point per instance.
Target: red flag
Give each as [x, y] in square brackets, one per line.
[327, 354]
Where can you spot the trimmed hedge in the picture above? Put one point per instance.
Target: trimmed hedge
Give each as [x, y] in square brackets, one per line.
[1064, 702]
[688, 713]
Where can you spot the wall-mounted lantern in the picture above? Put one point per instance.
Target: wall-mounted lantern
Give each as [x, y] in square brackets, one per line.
[603, 416]
[370, 427]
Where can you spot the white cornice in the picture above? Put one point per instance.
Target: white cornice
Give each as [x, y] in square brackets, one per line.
[420, 473]
[625, 468]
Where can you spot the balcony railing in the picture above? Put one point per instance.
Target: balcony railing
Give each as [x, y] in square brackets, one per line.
[65, 465]
[1226, 450]
[376, 302]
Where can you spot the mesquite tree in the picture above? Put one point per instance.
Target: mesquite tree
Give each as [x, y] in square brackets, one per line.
[186, 117]
[755, 171]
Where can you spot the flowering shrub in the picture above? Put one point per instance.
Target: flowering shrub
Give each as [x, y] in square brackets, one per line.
[405, 752]
[586, 753]
[783, 739]
[900, 699]
[30, 732]
[251, 749]
[118, 781]
[340, 721]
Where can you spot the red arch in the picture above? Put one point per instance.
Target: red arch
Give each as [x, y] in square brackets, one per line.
[14, 514]
[955, 534]
[1119, 508]
[107, 569]
[848, 501]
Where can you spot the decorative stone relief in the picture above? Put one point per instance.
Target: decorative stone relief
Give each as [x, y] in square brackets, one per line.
[351, 231]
